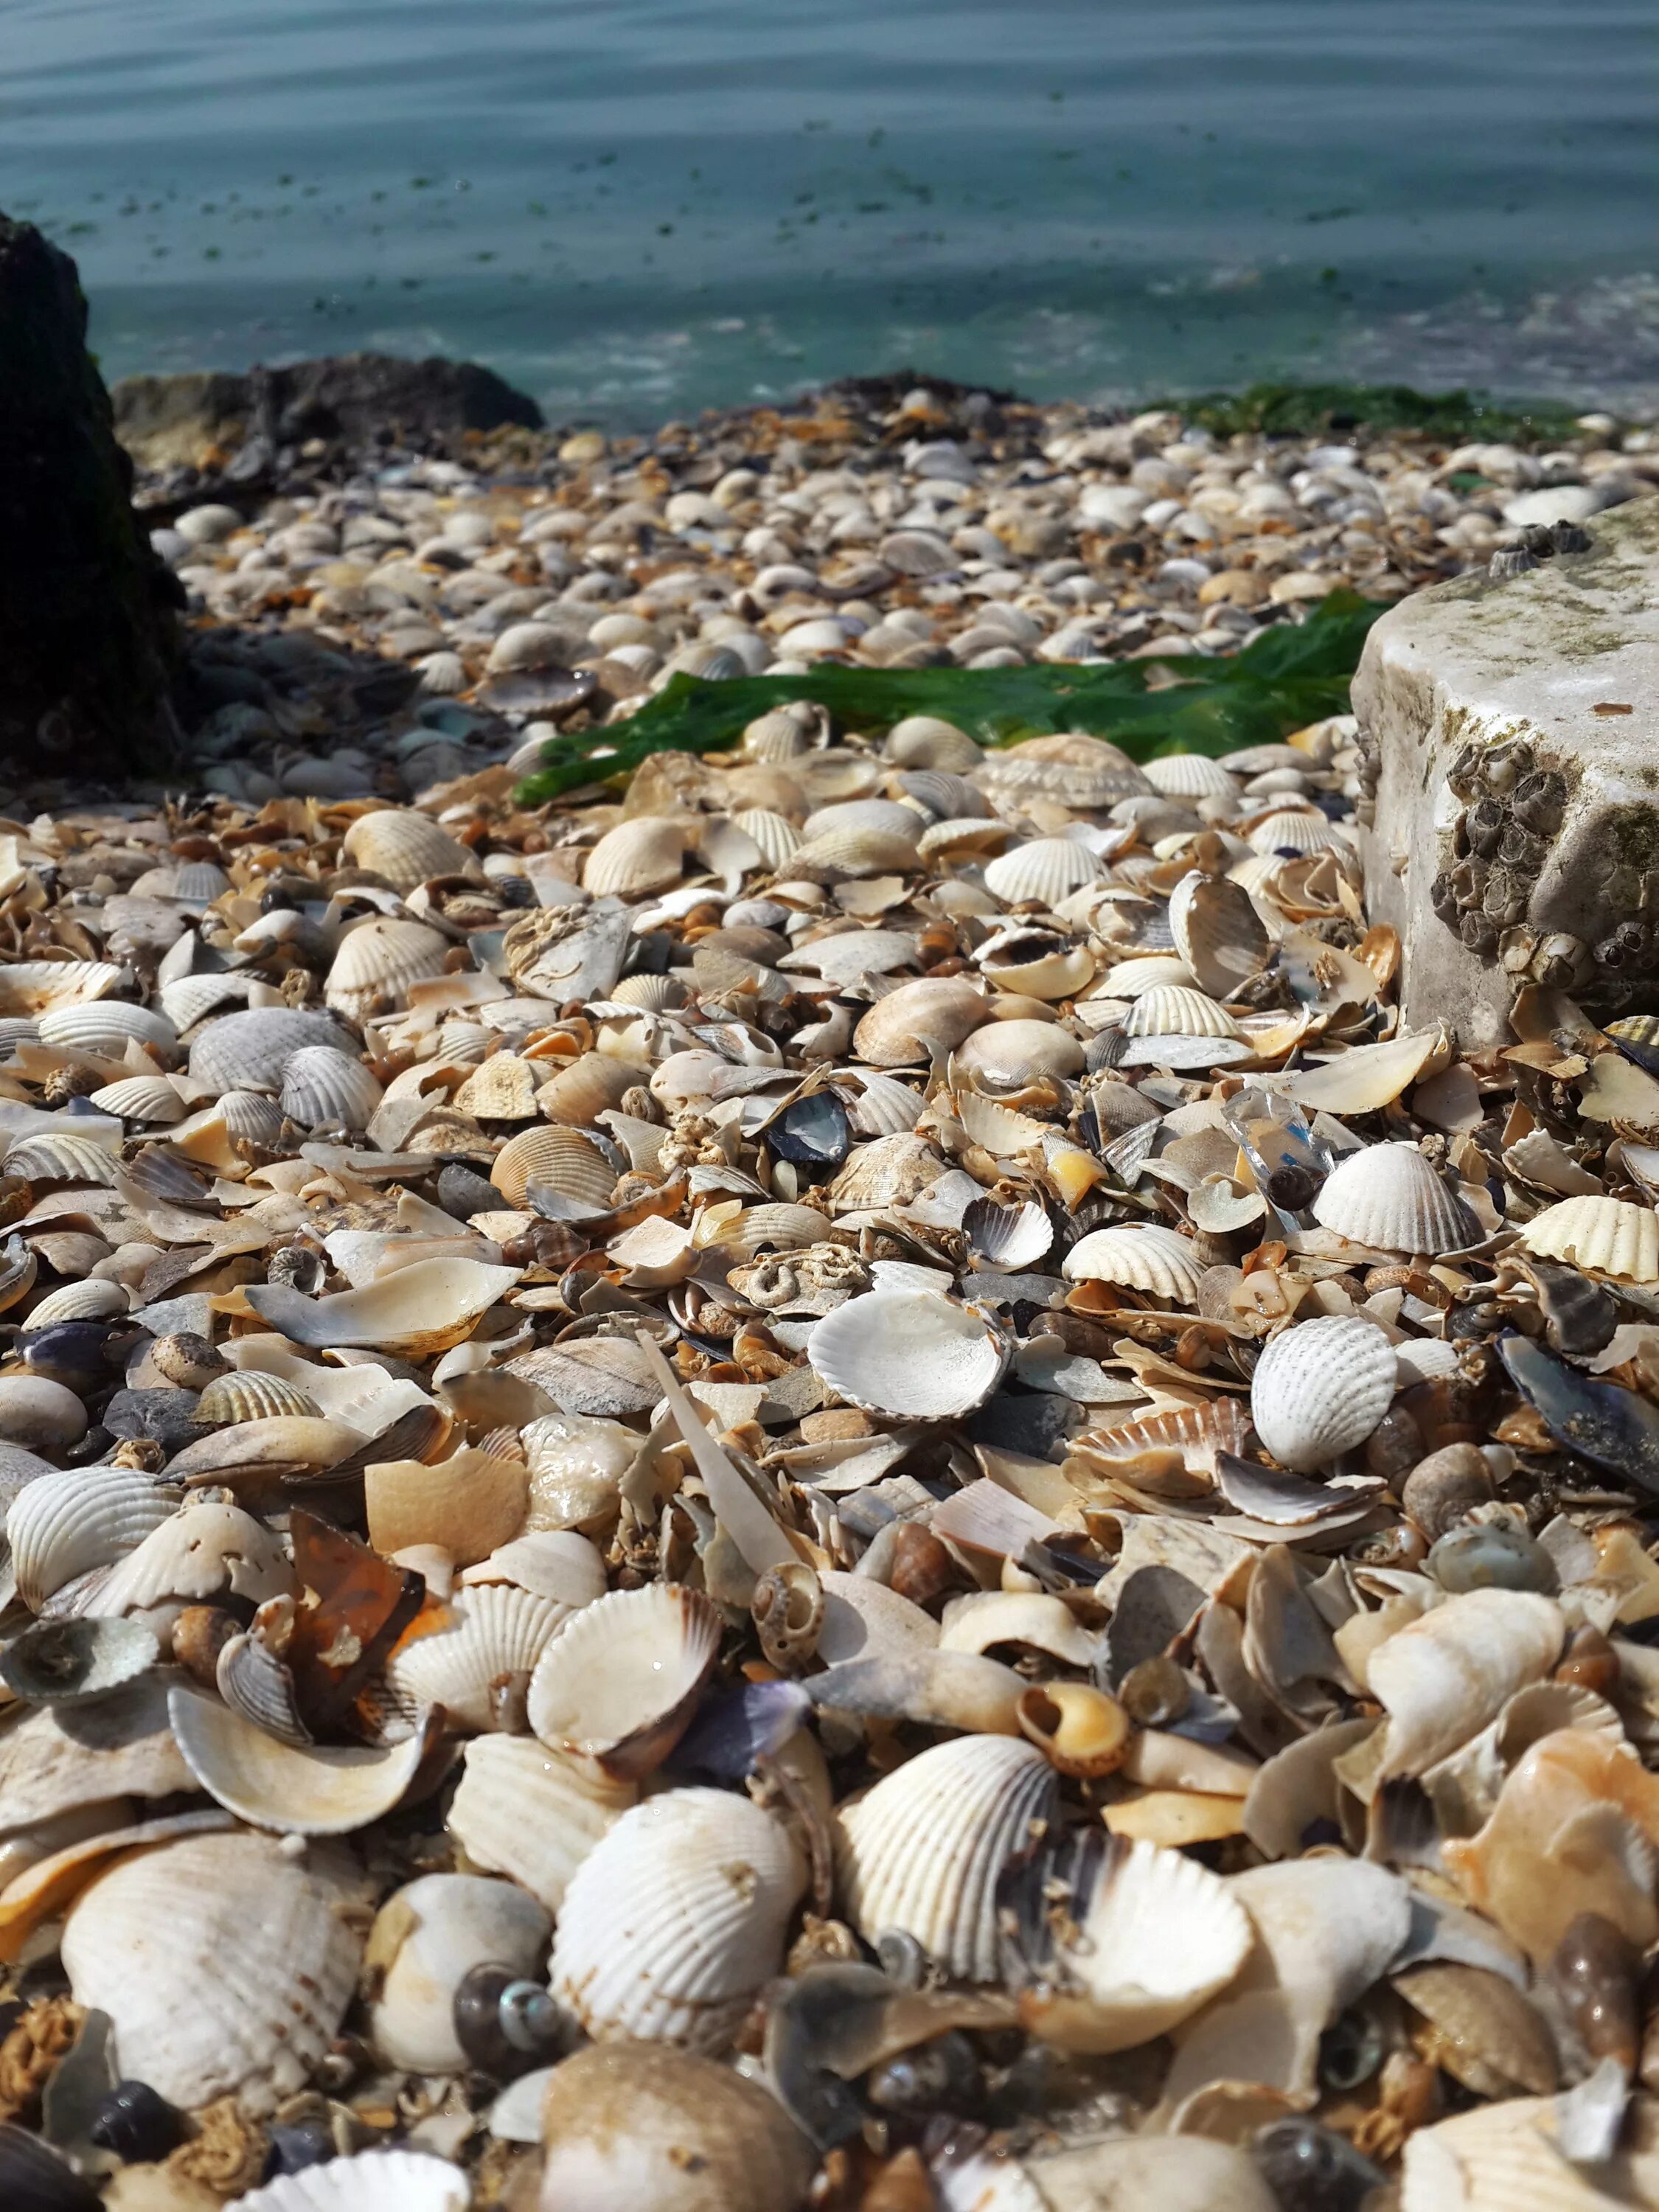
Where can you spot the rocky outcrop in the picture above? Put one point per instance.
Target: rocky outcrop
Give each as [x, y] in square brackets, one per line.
[1510, 731]
[86, 636]
[247, 424]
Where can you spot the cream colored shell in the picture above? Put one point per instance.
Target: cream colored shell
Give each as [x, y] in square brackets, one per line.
[1141, 1256]
[1609, 1236]
[1389, 1196]
[522, 1810]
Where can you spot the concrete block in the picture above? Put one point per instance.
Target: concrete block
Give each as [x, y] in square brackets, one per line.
[1509, 815]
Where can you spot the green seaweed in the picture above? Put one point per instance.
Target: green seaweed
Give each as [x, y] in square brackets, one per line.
[1288, 674]
[1308, 410]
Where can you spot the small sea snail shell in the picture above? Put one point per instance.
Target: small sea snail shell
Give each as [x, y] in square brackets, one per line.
[787, 1608]
[1078, 1728]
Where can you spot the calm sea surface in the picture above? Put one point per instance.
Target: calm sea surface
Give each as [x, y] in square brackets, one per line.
[636, 207]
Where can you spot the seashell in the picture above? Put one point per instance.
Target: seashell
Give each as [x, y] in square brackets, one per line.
[656, 994]
[1499, 2157]
[106, 1029]
[66, 1662]
[245, 1394]
[286, 1446]
[914, 1354]
[1036, 965]
[62, 1525]
[1172, 1010]
[225, 1963]
[1006, 1237]
[946, 797]
[427, 1938]
[923, 741]
[849, 855]
[415, 1311]
[884, 814]
[584, 1089]
[1441, 1679]
[1217, 931]
[636, 858]
[188, 1000]
[313, 1789]
[1043, 871]
[787, 1611]
[1295, 830]
[522, 1810]
[1003, 1055]
[921, 1021]
[1141, 1256]
[255, 1682]
[199, 1552]
[39, 1414]
[148, 1098]
[1151, 1937]
[1491, 2039]
[406, 847]
[251, 1051]
[634, 2124]
[1070, 768]
[486, 1641]
[675, 1919]
[251, 1121]
[1142, 971]
[575, 1166]
[1190, 775]
[922, 1851]
[377, 963]
[372, 2181]
[617, 1689]
[1389, 1196]
[1079, 1729]
[93, 1300]
[326, 1088]
[37, 987]
[466, 1505]
[551, 1563]
[54, 1158]
[1609, 1236]
[34, 2177]
[1320, 1388]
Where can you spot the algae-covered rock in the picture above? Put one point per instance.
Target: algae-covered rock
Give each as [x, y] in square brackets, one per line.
[85, 635]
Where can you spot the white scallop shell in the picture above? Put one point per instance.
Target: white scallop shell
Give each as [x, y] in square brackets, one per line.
[1320, 1388]
[675, 1919]
[1217, 931]
[922, 1851]
[576, 1165]
[50, 1158]
[427, 1937]
[637, 857]
[914, 1354]
[187, 999]
[376, 965]
[618, 1685]
[1190, 775]
[323, 1087]
[1443, 1677]
[1043, 871]
[251, 1050]
[489, 1636]
[925, 741]
[407, 848]
[1159, 1936]
[150, 1098]
[252, 1119]
[295, 1790]
[107, 1028]
[373, 2181]
[1141, 1256]
[884, 1107]
[1175, 1010]
[918, 1021]
[1147, 971]
[33, 987]
[1389, 1196]
[1608, 1235]
[225, 1963]
[202, 1550]
[1295, 830]
[522, 1810]
[94, 1299]
[62, 1523]
[774, 834]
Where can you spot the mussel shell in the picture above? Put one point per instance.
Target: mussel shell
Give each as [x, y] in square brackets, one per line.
[1612, 1428]
[36, 2180]
[812, 1133]
[137, 2124]
[1312, 2169]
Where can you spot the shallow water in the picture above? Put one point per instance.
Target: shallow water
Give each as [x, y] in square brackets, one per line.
[644, 207]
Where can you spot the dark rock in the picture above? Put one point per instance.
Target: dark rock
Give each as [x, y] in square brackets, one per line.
[86, 639]
[238, 425]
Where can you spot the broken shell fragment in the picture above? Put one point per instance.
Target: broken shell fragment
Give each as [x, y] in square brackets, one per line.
[1606, 1236]
[311, 1790]
[372, 2181]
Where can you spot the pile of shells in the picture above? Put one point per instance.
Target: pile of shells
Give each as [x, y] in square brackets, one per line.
[841, 1482]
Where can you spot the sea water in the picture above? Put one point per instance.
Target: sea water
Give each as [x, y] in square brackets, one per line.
[637, 207]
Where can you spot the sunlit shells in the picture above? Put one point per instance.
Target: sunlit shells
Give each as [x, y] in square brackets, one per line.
[635, 858]
[245, 1394]
[426, 1939]
[325, 1088]
[466, 1505]
[565, 1160]
[372, 2181]
[51, 1157]
[582, 1090]
[617, 1686]
[1217, 931]
[417, 1311]
[920, 1021]
[1172, 1010]
[1190, 775]
[1140, 1255]
[93, 1300]
[478, 1658]
[377, 963]
[62, 1525]
[149, 1099]
[225, 1962]
[522, 1810]
[1389, 1195]
[250, 1051]
[63, 1662]
[922, 1851]
[405, 847]
[914, 1354]
[1003, 1056]
[675, 1919]
[106, 1028]
[1292, 831]
[312, 1789]
[1043, 871]
[1608, 1235]
[1320, 1388]
[1441, 1679]
[36, 987]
